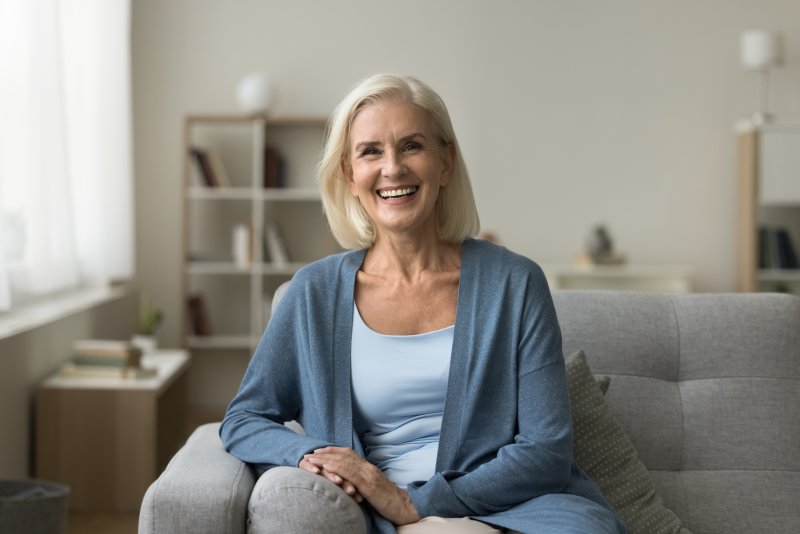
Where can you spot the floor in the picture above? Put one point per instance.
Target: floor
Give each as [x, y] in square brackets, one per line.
[102, 523]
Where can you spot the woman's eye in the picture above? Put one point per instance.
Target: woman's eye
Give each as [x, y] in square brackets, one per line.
[369, 151]
[412, 146]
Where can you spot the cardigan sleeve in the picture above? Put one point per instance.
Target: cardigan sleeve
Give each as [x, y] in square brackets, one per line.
[270, 394]
[539, 460]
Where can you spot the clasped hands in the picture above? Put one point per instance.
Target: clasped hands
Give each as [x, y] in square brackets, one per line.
[361, 480]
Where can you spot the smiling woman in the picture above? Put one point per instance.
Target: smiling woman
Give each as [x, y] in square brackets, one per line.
[426, 367]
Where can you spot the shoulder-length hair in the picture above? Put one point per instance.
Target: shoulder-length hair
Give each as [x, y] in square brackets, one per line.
[457, 215]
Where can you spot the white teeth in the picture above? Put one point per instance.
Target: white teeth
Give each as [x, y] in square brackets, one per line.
[394, 193]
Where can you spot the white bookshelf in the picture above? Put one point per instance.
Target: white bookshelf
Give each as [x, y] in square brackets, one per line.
[769, 196]
[236, 294]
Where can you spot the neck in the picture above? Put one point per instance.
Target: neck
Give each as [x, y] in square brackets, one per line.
[408, 257]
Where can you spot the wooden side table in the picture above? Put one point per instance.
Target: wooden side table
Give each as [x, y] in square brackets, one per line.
[109, 438]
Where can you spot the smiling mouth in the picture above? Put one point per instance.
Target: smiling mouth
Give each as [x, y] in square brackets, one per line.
[401, 192]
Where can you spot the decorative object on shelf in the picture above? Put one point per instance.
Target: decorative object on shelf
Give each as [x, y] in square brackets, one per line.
[241, 246]
[150, 318]
[254, 93]
[760, 50]
[600, 247]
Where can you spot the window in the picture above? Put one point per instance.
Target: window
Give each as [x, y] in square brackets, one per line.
[66, 199]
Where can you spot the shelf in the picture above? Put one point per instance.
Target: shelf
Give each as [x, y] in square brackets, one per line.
[778, 275]
[230, 268]
[221, 342]
[247, 193]
[627, 277]
[219, 193]
[290, 194]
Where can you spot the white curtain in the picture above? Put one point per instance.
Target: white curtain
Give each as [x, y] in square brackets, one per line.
[66, 192]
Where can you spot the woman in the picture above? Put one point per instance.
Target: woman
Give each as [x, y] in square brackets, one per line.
[425, 366]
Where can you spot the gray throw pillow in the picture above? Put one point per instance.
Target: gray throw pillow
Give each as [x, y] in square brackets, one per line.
[606, 454]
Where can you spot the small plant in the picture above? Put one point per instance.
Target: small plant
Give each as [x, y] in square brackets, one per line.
[149, 316]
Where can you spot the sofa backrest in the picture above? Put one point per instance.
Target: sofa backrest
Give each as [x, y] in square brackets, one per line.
[708, 389]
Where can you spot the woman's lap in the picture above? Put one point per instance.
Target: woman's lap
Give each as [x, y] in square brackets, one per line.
[288, 499]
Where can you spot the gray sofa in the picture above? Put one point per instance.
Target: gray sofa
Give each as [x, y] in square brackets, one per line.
[707, 388]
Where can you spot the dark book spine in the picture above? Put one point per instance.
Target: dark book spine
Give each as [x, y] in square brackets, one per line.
[204, 165]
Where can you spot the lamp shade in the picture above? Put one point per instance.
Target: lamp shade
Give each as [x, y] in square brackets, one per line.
[760, 49]
[254, 93]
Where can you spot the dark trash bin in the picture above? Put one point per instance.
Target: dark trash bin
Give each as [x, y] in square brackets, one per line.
[33, 507]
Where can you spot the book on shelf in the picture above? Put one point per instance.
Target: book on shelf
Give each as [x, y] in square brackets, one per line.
[274, 245]
[776, 249]
[218, 169]
[201, 157]
[274, 168]
[198, 315]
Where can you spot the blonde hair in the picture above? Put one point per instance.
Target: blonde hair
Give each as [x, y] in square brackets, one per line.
[457, 215]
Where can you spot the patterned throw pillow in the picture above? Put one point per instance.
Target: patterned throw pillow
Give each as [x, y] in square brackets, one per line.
[605, 453]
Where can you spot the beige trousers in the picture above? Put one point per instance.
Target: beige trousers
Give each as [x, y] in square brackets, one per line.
[440, 525]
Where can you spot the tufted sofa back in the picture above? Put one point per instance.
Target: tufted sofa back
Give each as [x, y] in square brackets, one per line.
[708, 389]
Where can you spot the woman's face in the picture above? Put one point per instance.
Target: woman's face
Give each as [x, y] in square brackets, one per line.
[396, 166]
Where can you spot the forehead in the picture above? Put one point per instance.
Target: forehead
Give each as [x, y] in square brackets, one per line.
[389, 119]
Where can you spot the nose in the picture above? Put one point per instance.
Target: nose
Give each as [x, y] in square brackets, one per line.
[393, 164]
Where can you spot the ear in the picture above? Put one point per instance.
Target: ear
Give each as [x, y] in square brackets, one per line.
[448, 160]
[347, 170]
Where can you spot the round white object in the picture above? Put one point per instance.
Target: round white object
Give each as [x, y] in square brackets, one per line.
[254, 93]
[760, 49]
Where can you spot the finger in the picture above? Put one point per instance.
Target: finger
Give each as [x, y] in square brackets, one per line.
[305, 465]
[336, 479]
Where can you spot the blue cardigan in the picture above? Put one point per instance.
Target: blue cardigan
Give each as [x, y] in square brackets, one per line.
[506, 432]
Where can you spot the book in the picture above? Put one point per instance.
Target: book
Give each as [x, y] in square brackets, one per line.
[218, 169]
[198, 316]
[104, 371]
[274, 245]
[273, 168]
[786, 252]
[775, 249]
[200, 156]
[106, 352]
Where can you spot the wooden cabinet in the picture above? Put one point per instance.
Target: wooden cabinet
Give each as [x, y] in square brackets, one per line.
[109, 438]
[769, 203]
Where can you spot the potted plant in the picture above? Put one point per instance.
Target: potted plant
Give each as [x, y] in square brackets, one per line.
[148, 322]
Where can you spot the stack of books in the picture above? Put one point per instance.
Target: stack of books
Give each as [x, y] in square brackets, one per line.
[106, 358]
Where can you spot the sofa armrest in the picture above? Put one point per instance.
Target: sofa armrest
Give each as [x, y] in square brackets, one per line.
[203, 490]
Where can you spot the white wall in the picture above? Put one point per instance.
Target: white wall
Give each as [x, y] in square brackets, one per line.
[569, 113]
[27, 358]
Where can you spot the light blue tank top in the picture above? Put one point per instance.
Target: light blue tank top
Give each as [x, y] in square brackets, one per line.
[399, 385]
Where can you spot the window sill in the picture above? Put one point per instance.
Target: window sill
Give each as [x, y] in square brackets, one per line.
[48, 310]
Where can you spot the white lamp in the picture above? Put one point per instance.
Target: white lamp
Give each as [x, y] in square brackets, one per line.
[254, 93]
[760, 50]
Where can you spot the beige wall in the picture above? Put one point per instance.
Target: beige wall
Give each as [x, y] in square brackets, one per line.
[569, 113]
[25, 359]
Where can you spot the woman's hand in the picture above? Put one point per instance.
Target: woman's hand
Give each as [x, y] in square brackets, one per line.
[346, 486]
[391, 502]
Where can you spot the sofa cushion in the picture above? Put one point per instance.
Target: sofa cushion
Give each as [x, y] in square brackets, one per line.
[605, 453]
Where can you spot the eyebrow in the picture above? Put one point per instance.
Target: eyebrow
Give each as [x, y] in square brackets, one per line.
[366, 144]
